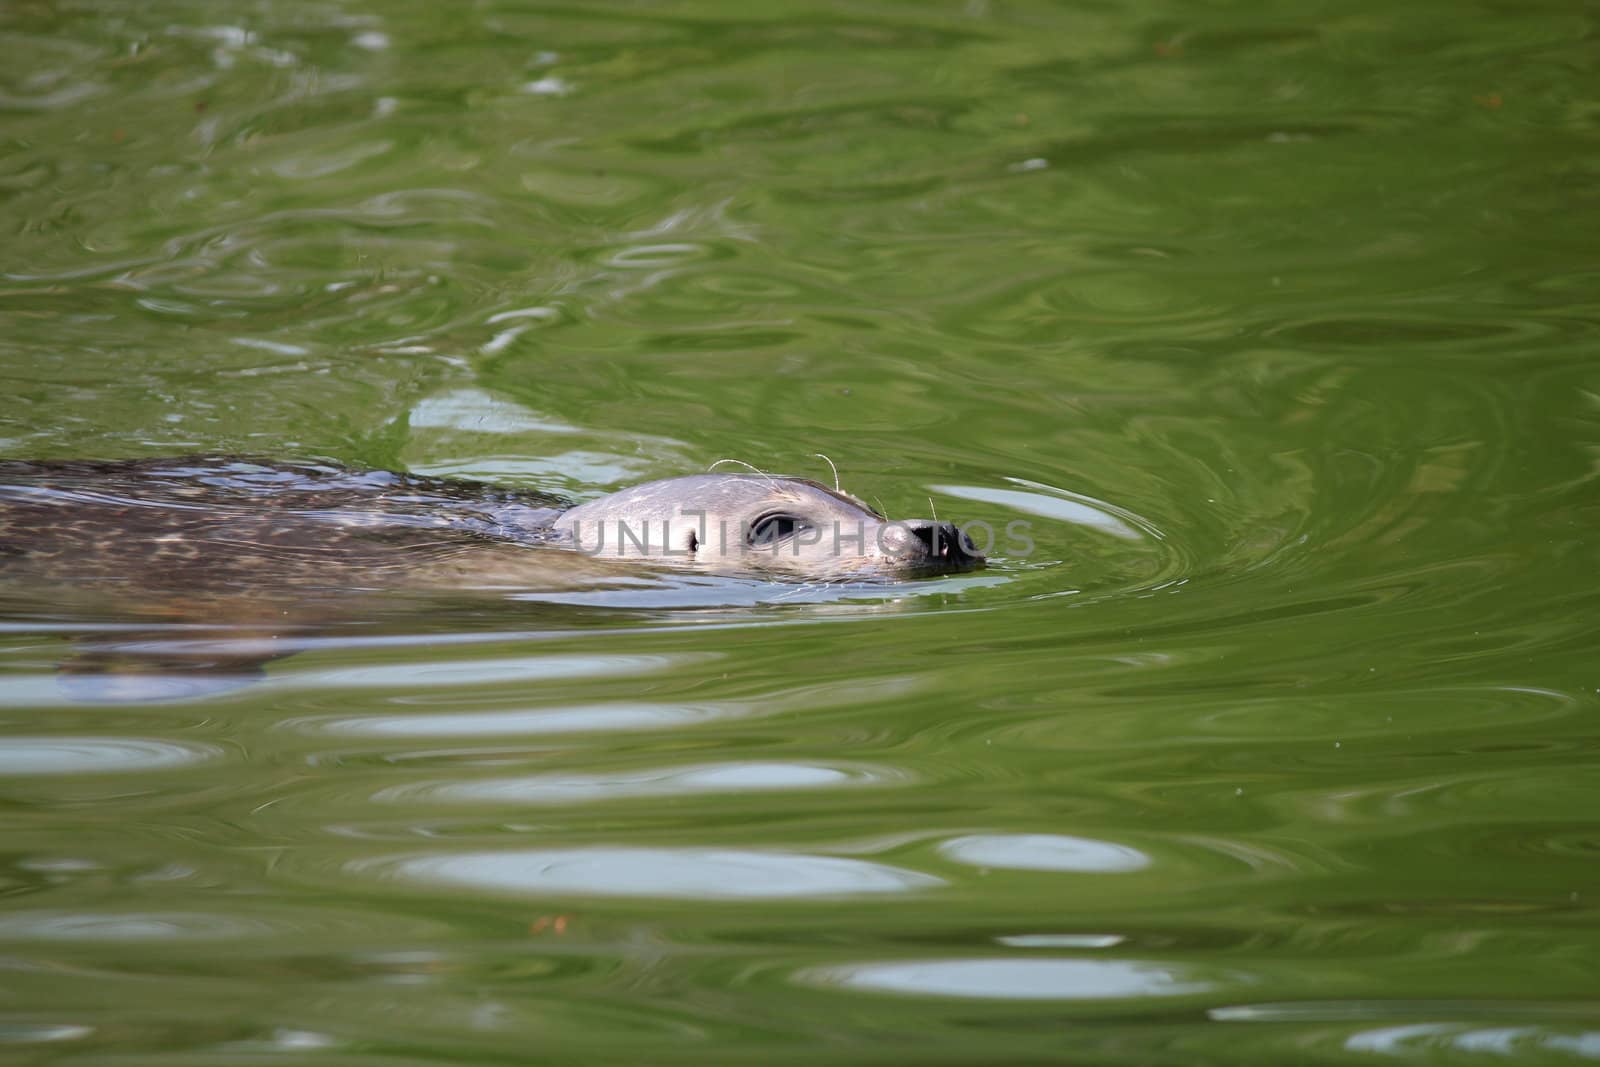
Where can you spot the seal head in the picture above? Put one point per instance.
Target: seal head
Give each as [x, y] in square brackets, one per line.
[764, 524]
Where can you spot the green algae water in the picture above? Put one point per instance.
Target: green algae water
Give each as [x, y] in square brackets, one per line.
[1275, 325]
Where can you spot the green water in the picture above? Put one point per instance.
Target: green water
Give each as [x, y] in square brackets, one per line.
[1277, 322]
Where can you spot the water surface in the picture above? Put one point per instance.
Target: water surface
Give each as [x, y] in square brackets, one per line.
[1274, 323]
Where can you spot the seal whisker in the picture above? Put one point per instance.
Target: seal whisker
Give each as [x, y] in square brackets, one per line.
[829, 462]
[742, 463]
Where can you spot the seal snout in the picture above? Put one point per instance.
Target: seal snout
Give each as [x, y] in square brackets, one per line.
[943, 542]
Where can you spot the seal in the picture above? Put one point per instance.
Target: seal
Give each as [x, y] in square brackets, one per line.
[211, 567]
[202, 527]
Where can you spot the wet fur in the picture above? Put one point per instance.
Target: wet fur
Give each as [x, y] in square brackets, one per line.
[207, 525]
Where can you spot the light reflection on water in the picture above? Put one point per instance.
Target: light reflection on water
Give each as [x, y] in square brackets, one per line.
[1015, 979]
[143, 926]
[1061, 940]
[1061, 505]
[1349, 1026]
[512, 723]
[433, 673]
[680, 873]
[1503, 1041]
[30, 756]
[675, 781]
[1044, 852]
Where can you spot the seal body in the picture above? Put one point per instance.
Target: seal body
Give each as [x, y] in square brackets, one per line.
[208, 524]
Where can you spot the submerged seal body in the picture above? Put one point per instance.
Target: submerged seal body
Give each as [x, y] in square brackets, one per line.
[208, 526]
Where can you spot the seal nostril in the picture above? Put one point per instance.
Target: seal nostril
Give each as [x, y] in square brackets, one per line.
[943, 541]
[932, 542]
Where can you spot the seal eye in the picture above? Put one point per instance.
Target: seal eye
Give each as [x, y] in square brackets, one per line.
[770, 529]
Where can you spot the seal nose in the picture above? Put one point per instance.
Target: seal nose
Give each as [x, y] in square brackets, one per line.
[945, 543]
